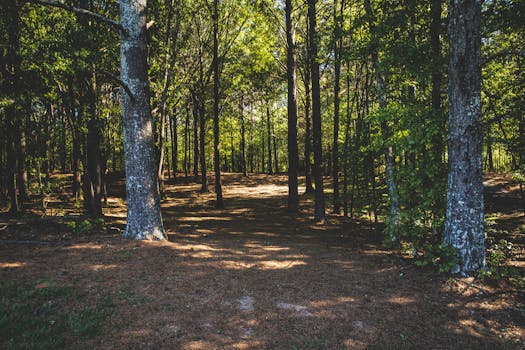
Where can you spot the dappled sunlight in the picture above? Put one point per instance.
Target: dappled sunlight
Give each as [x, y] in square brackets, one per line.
[11, 265]
[254, 277]
[100, 267]
[332, 302]
[399, 300]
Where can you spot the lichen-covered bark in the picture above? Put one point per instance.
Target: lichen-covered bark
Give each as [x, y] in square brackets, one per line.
[464, 226]
[144, 219]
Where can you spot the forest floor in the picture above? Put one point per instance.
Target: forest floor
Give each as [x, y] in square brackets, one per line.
[246, 277]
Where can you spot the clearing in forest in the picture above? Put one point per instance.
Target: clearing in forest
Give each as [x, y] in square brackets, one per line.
[246, 277]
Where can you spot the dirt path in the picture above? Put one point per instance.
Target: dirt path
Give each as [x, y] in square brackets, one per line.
[252, 277]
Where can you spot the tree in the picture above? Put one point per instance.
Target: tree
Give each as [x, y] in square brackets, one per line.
[319, 211]
[464, 226]
[293, 152]
[144, 219]
[216, 81]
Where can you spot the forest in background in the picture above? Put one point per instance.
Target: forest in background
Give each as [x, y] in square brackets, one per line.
[375, 111]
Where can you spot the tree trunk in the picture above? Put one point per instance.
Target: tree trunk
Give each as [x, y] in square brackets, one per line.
[393, 225]
[196, 115]
[435, 33]
[464, 225]
[22, 167]
[337, 68]
[293, 151]
[174, 145]
[202, 148]
[216, 135]
[243, 140]
[307, 114]
[144, 220]
[94, 168]
[319, 212]
[269, 138]
[11, 10]
[186, 143]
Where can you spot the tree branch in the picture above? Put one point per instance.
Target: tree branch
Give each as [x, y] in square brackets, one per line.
[113, 24]
[119, 81]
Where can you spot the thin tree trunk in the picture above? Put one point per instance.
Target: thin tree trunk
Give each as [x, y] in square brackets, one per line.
[435, 33]
[186, 143]
[393, 225]
[216, 135]
[269, 138]
[144, 220]
[293, 151]
[196, 115]
[307, 114]
[243, 139]
[22, 167]
[338, 18]
[276, 160]
[319, 213]
[174, 145]
[202, 150]
[464, 225]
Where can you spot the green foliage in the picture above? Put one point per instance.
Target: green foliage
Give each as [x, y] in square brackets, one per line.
[442, 257]
[87, 226]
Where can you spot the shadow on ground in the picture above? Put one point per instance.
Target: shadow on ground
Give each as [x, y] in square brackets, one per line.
[253, 277]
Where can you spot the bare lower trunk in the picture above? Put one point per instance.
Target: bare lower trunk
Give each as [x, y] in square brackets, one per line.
[144, 220]
[269, 138]
[243, 140]
[464, 225]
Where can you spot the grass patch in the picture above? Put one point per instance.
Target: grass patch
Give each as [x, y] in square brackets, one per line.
[86, 323]
[37, 317]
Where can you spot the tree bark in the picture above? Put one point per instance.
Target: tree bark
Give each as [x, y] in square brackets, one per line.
[319, 212]
[338, 18]
[293, 151]
[11, 10]
[144, 220]
[269, 139]
[216, 135]
[243, 139]
[464, 225]
[435, 33]
[196, 115]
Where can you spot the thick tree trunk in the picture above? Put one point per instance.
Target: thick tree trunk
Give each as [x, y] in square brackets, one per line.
[464, 225]
[293, 151]
[319, 212]
[202, 150]
[144, 220]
